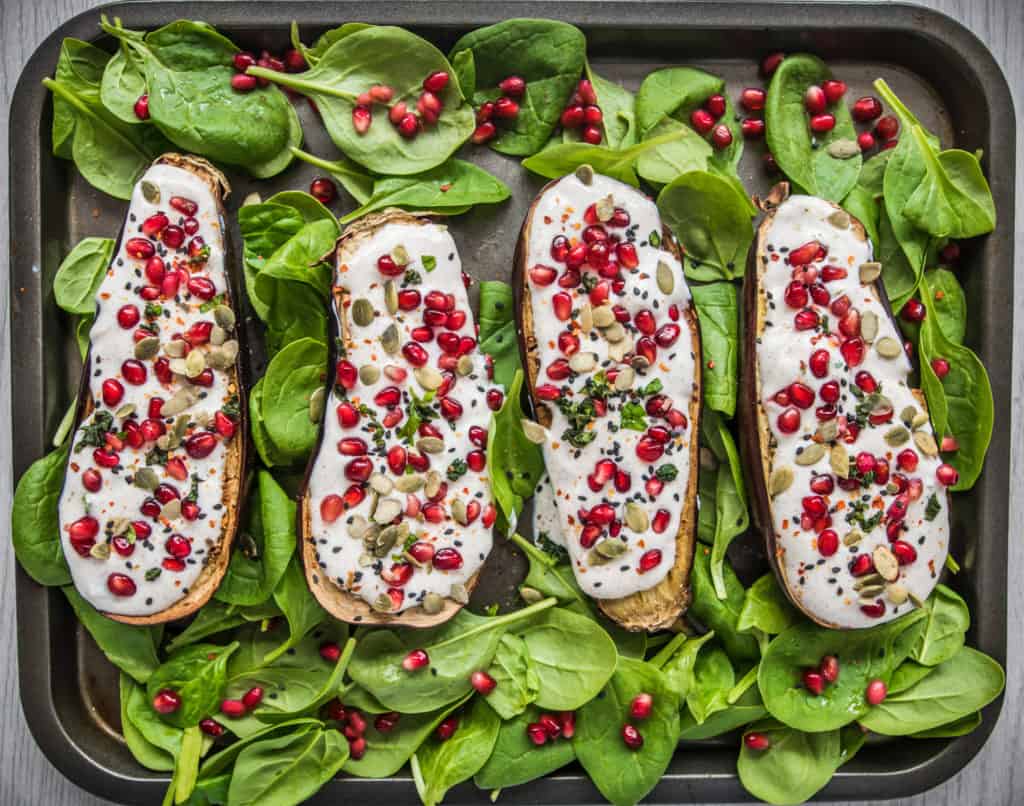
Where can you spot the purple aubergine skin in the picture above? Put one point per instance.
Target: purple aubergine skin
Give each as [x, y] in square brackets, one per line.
[206, 585]
[660, 606]
[749, 413]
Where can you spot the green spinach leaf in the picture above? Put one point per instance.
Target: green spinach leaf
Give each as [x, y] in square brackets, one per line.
[131, 649]
[947, 624]
[301, 609]
[81, 273]
[748, 708]
[149, 755]
[198, 675]
[713, 678]
[497, 335]
[718, 314]
[517, 682]
[352, 176]
[947, 304]
[514, 464]
[35, 531]
[731, 517]
[439, 765]
[292, 377]
[766, 608]
[721, 615]
[793, 768]
[517, 760]
[287, 769]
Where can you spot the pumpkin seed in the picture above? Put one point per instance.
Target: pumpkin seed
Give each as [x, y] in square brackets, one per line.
[840, 219]
[317, 403]
[839, 459]
[383, 604]
[101, 551]
[605, 208]
[175, 348]
[914, 600]
[429, 378]
[866, 581]
[886, 564]
[926, 443]
[369, 374]
[178, 366]
[618, 350]
[433, 603]
[459, 511]
[897, 594]
[636, 517]
[366, 560]
[252, 198]
[202, 418]
[869, 592]
[387, 510]
[459, 593]
[218, 335]
[888, 347]
[583, 362]
[433, 484]
[810, 455]
[391, 297]
[181, 425]
[780, 480]
[362, 312]
[163, 442]
[224, 356]
[530, 595]
[640, 364]
[430, 445]
[666, 280]
[853, 537]
[535, 432]
[195, 363]
[224, 317]
[369, 535]
[624, 380]
[411, 483]
[828, 431]
[171, 510]
[586, 317]
[869, 326]
[464, 366]
[385, 541]
[615, 332]
[896, 436]
[357, 528]
[870, 271]
[907, 415]
[150, 191]
[381, 484]
[843, 149]
[603, 316]
[585, 174]
[127, 410]
[389, 339]
[146, 479]
[148, 348]
[400, 255]
[919, 420]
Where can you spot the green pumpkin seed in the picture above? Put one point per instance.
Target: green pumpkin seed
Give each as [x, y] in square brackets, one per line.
[585, 174]
[150, 191]
[810, 455]
[605, 208]
[146, 479]
[907, 415]
[387, 510]
[369, 374]
[530, 595]
[780, 480]
[459, 593]
[839, 460]
[464, 366]
[171, 510]
[429, 378]
[586, 317]
[224, 317]
[534, 432]
[391, 297]
[869, 326]
[869, 592]
[459, 511]
[895, 593]
[101, 551]
[888, 347]
[843, 149]
[430, 445]
[603, 316]
[433, 604]
[920, 419]
[666, 279]
[828, 431]
[870, 271]
[852, 538]
[127, 410]
[636, 517]
[148, 348]
[886, 564]
[317, 403]
[583, 362]
[896, 436]
[218, 335]
[433, 484]
[389, 339]
[252, 198]
[178, 366]
[866, 581]
[400, 255]
[362, 312]
[411, 483]
[357, 528]
[195, 363]
[614, 333]
[175, 348]
[839, 219]
[617, 350]
[926, 443]
[381, 484]
[383, 604]
[624, 380]
[385, 541]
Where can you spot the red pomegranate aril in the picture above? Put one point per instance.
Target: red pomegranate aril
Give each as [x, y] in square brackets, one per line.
[625, 253]
[495, 398]
[828, 543]
[758, 742]
[201, 287]
[649, 449]
[242, 82]
[477, 461]
[834, 90]
[141, 107]
[940, 366]
[173, 236]
[904, 552]
[232, 709]
[152, 226]
[121, 585]
[166, 701]
[950, 253]
[721, 136]
[818, 363]
[913, 311]
[815, 100]
[359, 469]
[789, 420]
[661, 521]
[178, 546]
[595, 232]
[589, 535]
[92, 480]
[819, 294]
[429, 107]
[200, 445]
[823, 123]
[568, 343]
[641, 706]
[802, 396]
[771, 62]
[715, 104]
[547, 391]
[866, 141]
[887, 127]
[572, 116]
[947, 475]
[852, 351]
[447, 559]
[436, 81]
[591, 135]
[752, 128]
[829, 391]
[409, 126]
[805, 319]
[667, 334]
[415, 354]
[190, 225]
[331, 508]
[112, 391]
[830, 273]
[649, 560]
[753, 99]
[542, 275]
[866, 108]
[484, 133]
[506, 109]
[631, 737]
[535, 731]
[645, 321]
[702, 120]
[876, 692]
[482, 682]
[140, 248]
[592, 115]
[813, 681]
[330, 652]
[426, 334]
[105, 459]
[386, 265]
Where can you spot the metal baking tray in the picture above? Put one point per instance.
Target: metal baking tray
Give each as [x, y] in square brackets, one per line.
[69, 691]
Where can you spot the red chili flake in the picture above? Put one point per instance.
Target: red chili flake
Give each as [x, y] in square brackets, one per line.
[446, 187]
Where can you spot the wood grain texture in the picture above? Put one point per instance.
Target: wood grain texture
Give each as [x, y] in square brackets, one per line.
[993, 778]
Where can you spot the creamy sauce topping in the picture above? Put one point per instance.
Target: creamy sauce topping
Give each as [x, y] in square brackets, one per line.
[618, 448]
[401, 504]
[859, 556]
[134, 548]
[546, 522]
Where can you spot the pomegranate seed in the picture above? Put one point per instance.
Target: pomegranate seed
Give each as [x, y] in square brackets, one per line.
[649, 559]
[757, 742]
[905, 553]
[950, 252]
[415, 354]
[495, 398]
[572, 117]
[802, 396]
[178, 546]
[823, 123]
[876, 692]
[482, 682]
[154, 225]
[913, 311]
[715, 104]
[789, 420]
[805, 253]
[769, 163]
[323, 190]
[721, 137]
[506, 109]
[121, 585]
[641, 706]
[233, 709]
[562, 304]
[834, 90]
[331, 508]
[241, 82]
[852, 351]
[105, 459]
[828, 543]
[819, 363]
[359, 469]
[866, 108]
[409, 126]
[940, 366]
[814, 100]
[752, 128]
[437, 81]
[415, 660]
[429, 106]
[702, 121]
[536, 733]
[141, 107]
[813, 681]
[201, 445]
[592, 115]
[166, 701]
[362, 117]
[887, 128]
[805, 319]
[667, 334]
[632, 738]
[201, 287]
[542, 275]
[112, 391]
[866, 141]
[771, 62]
[649, 449]
[513, 86]
[447, 559]
[139, 248]
[753, 98]
[948, 444]
[173, 236]
[947, 475]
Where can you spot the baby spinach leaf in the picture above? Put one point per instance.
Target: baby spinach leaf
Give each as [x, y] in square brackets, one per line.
[362, 59]
[713, 678]
[221, 761]
[131, 649]
[861, 204]
[731, 517]
[721, 615]
[352, 176]
[149, 755]
[549, 578]
[452, 187]
[198, 674]
[186, 765]
[622, 775]
[268, 452]
[256, 568]
[673, 92]
[872, 173]
[748, 708]
[517, 681]
[301, 609]
[618, 125]
[83, 324]
[111, 155]
[960, 403]
[948, 304]
[943, 635]
[122, 84]
[899, 276]
[292, 376]
[793, 768]
[214, 617]
[188, 69]
[558, 160]
[287, 769]
[572, 656]
[677, 660]
[514, 464]
[517, 760]
[661, 165]
[456, 649]
[864, 655]
[766, 608]
[958, 687]
[299, 260]
[711, 221]
[151, 731]
[908, 674]
[35, 530]
[960, 727]
[324, 41]
[953, 199]
[81, 273]
[549, 55]
[497, 335]
[437, 765]
[272, 166]
[803, 156]
[718, 314]
[331, 687]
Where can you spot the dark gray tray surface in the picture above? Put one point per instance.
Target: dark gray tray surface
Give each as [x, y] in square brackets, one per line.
[69, 691]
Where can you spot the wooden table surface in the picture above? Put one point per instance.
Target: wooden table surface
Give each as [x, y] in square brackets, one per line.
[992, 779]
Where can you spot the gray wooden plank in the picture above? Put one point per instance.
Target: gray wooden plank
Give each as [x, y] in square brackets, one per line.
[992, 778]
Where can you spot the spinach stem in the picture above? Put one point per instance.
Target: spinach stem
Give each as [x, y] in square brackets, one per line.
[669, 650]
[305, 87]
[499, 621]
[58, 88]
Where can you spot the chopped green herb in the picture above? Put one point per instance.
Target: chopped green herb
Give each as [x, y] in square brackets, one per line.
[429, 262]
[457, 469]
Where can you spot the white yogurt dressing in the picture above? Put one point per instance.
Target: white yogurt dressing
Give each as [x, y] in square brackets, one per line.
[157, 587]
[825, 585]
[546, 521]
[342, 556]
[560, 211]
